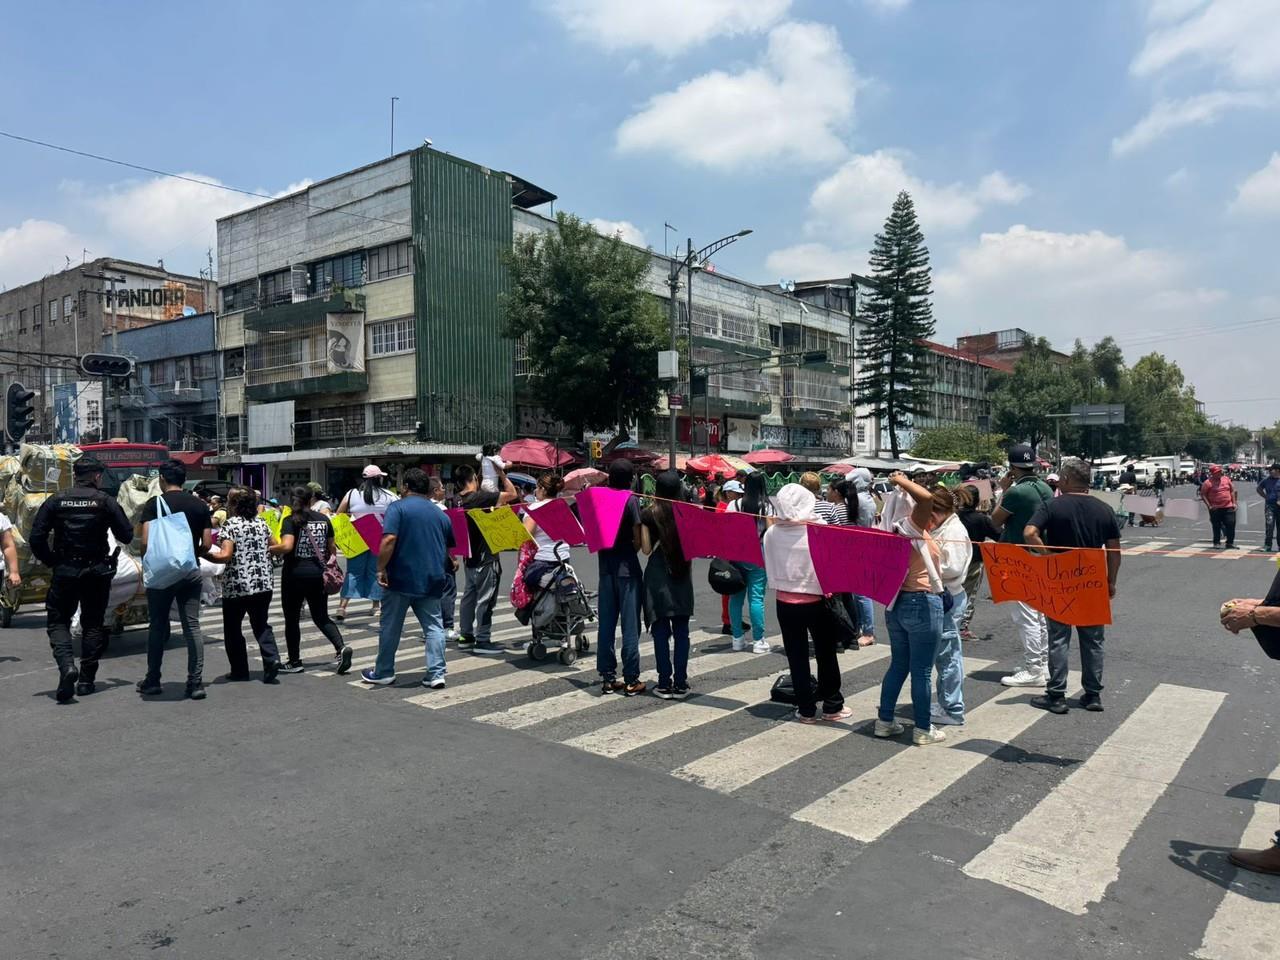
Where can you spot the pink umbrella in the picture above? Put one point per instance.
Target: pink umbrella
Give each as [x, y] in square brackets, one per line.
[759, 458]
[575, 480]
[718, 466]
[535, 453]
[841, 468]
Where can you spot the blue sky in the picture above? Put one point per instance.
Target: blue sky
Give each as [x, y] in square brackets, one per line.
[1079, 168]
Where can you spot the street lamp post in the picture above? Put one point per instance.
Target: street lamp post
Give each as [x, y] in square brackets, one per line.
[690, 261]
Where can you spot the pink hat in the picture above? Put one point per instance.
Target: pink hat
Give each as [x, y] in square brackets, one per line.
[371, 471]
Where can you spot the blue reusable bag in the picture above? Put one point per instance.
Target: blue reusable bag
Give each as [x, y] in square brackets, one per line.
[171, 554]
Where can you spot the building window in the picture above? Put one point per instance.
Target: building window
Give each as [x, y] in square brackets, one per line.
[277, 288]
[391, 260]
[159, 372]
[394, 416]
[240, 296]
[53, 312]
[392, 336]
[182, 370]
[66, 308]
[344, 271]
[860, 433]
[338, 423]
[233, 363]
[522, 356]
[22, 322]
[35, 316]
[203, 366]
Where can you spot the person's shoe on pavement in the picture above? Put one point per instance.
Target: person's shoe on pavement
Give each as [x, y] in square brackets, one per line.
[194, 691]
[368, 676]
[150, 688]
[922, 738]
[884, 730]
[1092, 702]
[67, 684]
[1025, 678]
[1051, 703]
[1259, 861]
[85, 687]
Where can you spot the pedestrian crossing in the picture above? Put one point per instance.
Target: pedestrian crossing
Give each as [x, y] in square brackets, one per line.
[1064, 847]
[1170, 549]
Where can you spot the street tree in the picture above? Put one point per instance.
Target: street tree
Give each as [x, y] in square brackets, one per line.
[1022, 400]
[893, 385]
[959, 442]
[593, 330]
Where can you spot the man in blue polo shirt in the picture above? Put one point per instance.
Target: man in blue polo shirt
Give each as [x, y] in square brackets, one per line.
[1269, 490]
[416, 537]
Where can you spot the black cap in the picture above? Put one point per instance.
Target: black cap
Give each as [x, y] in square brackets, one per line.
[1274, 466]
[1021, 455]
[86, 465]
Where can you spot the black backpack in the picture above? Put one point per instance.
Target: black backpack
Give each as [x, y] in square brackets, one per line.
[784, 691]
[725, 578]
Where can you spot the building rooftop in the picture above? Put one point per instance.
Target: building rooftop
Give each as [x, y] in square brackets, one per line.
[963, 355]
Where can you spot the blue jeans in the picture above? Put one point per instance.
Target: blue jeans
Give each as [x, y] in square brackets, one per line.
[915, 627]
[950, 661]
[427, 609]
[362, 577]
[663, 630]
[619, 599]
[757, 581]
[450, 598]
[866, 619]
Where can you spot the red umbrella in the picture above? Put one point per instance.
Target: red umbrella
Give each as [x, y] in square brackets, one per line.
[759, 458]
[718, 466]
[841, 468]
[535, 453]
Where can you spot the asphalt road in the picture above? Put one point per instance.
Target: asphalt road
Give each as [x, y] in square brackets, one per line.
[516, 814]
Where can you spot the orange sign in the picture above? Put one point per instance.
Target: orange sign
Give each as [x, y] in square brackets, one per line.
[1069, 586]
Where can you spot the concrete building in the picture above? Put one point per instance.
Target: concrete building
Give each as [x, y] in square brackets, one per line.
[48, 323]
[1001, 346]
[172, 397]
[958, 389]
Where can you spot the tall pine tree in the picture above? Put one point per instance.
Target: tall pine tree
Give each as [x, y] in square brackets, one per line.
[894, 381]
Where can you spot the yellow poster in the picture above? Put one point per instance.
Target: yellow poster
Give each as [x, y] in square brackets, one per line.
[346, 536]
[501, 528]
[274, 518]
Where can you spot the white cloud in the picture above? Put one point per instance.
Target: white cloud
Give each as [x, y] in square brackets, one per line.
[624, 229]
[665, 26]
[1259, 194]
[1238, 38]
[852, 203]
[815, 261]
[794, 106]
[34, 248]
[1178, 179]
[1170, 115]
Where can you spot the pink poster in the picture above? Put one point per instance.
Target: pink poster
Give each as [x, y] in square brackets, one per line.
[461, 538]
[370, 529]
[601, 511]
[856, 560]
[729, 536]
[557, 521]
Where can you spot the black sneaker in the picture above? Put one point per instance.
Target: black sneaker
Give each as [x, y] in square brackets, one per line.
[466, 642]
[726, 629]
[150, 688]
[67, 684]
[664, 691]
[487, 648]
[270, 669]
[1091, 702]
[85, 687]
[195, 691]
[1052, 704]
[292, 666]
[681, 690]
[236, 677]
[344, 660]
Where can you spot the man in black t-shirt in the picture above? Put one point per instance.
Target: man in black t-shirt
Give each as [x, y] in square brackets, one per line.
[483, 567]
[186, 592]
[1075, 519]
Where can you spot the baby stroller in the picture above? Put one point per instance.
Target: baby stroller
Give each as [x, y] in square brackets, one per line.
[560, 612]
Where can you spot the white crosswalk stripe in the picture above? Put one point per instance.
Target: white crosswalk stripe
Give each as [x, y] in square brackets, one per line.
[1191, 550]
[1243, 926]
[1100, 804]
[1147, 547]
[505, 683]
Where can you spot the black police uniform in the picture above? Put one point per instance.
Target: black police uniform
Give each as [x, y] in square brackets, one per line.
[69, 535]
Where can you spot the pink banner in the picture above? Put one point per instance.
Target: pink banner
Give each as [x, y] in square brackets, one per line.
[601, 511]
[370, 529]
[729, 536]
[855, 560]
[557, 521]
[1186, 509]
[461, 537]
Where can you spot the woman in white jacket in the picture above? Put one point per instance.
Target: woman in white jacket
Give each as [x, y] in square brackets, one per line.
[956, 552]
[801, 609]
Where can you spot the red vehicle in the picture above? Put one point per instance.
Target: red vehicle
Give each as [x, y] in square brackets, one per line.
[123, 459]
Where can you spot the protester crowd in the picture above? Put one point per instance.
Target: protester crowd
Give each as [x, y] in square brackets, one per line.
[645, 577]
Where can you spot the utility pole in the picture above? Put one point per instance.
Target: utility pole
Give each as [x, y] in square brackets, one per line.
[853, 406]
[673, 288]
[688, 322]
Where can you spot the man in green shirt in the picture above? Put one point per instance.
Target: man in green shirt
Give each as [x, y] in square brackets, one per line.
[1024, 492]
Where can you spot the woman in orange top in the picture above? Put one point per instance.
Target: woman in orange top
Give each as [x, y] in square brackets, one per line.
[916, 615]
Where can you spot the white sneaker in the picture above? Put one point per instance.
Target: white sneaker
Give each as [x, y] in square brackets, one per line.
[739, 643]
[761, 646]
[1025, 678]
[888, 729]
[451, 636]
[922, 738]
[437, 684]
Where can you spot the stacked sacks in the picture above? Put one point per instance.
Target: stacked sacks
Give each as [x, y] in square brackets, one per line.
[26, 481]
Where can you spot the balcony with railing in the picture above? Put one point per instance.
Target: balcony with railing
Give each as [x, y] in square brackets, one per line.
[715, 324]
[813, 394]
[294, 361]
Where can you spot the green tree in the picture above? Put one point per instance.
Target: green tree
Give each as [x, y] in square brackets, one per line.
[593, 331]
[1160, 408]
[1021, 401]
[894, 380]
[959, 442]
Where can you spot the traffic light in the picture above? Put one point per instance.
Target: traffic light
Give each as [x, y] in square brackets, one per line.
[106, 365]
[20, 411]
[597, 449]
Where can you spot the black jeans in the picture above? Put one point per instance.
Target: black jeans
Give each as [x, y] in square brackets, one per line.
[258, 607]
[90, 593]
[799, 621]
[1223, 522]
[159, 602]
[294, 591]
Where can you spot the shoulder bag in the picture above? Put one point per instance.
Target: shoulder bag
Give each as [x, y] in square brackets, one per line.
[332, 576]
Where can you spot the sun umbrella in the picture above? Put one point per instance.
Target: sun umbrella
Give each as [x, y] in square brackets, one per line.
[663, 463]
[575, 480]
[841, 468]
[759, 458]
[718, 465]
[523, 479]
[535, 453]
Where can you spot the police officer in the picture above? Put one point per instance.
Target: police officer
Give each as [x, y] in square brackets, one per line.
[69, 536]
